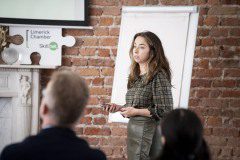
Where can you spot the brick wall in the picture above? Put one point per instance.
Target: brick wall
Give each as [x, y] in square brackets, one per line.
[215, 81]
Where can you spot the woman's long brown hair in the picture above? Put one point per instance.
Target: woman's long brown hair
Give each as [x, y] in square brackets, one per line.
[156, 62]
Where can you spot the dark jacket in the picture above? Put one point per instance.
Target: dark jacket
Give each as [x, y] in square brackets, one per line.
[52, 143]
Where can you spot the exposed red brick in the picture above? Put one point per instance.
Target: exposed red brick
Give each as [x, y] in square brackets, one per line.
[87, 51]
[114, 51]
[199, 2]
[118, 141]
[101, 62]
[207, 131]
[93, 140]
[98, 81]
[215, 140]
[99, 121]
[79, 32]
[219, 32]
[85, 120]
[97, 131]
[236, 123]
[108, 41]
[113, 11]
[174, 2]
[234, 103]
[93, 101]
[119, 131]
[225, 132]
[108, 150]
[70, 51]
[201, 73]
[117, 20]
[232, 73]
[108, 81]
[213, 2]
[207, 53]
[104, 52]
[96, 111]
[228, 41]
[211, 21]
[227, 152]
[101, 31]
[193, 102]
[132, 3]
[79, 62]
[90, 41]
[94, 11]
[106, 21]
[224, 83]
[235, 32]
[207, 41]
[203, 63]
[78, 130]
[225, 63]
[88, 72]
[230, 21]
[215, 93]
[202, 93]
[200, 20]
[216, 103]
[203, 32]
[201, 83]
[107, 71]
[87, 110]
[236, 152]
[94, 21]
[233, 141]
[114, 32]
[231, 93]
[230, 2]
[104, 2]
[152, 2]
[98, 91]
[66, 61]
[220, 10]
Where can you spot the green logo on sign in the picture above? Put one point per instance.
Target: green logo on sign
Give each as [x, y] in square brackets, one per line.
[53, 46]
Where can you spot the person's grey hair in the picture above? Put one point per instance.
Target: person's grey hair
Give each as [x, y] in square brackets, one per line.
[70, 94]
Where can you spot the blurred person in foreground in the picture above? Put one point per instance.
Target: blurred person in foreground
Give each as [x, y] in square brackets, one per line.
[63, 102]
[182, 137]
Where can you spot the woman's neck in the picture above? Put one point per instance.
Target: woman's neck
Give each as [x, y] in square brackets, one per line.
[143, 68]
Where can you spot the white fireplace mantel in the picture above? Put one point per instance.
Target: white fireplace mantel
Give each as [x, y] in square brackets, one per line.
[19, 102]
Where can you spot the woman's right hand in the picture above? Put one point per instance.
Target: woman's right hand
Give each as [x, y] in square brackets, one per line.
[112, 107]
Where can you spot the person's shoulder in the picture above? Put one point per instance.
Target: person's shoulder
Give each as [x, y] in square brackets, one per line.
[12, 152]
[91, 153]
[98, 154]
[18, 148]
[160, 75]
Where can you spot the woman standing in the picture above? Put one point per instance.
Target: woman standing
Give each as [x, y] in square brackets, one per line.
[148, 97]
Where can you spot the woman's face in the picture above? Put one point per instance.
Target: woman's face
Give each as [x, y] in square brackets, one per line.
[141, 50]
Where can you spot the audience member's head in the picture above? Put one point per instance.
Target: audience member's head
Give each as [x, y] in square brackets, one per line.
[182, 133]
[63, 100]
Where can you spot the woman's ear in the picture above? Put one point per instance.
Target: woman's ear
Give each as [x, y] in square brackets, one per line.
[163, 140]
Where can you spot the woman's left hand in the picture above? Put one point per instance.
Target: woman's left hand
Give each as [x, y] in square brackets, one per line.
[128, 112]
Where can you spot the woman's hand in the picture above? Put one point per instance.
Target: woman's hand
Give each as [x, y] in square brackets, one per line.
[129, 112]
[112, 107]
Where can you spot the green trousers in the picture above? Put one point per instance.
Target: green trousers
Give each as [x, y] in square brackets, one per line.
[143, 138]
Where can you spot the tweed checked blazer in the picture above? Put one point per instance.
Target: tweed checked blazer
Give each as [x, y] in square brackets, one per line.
[156, 96]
